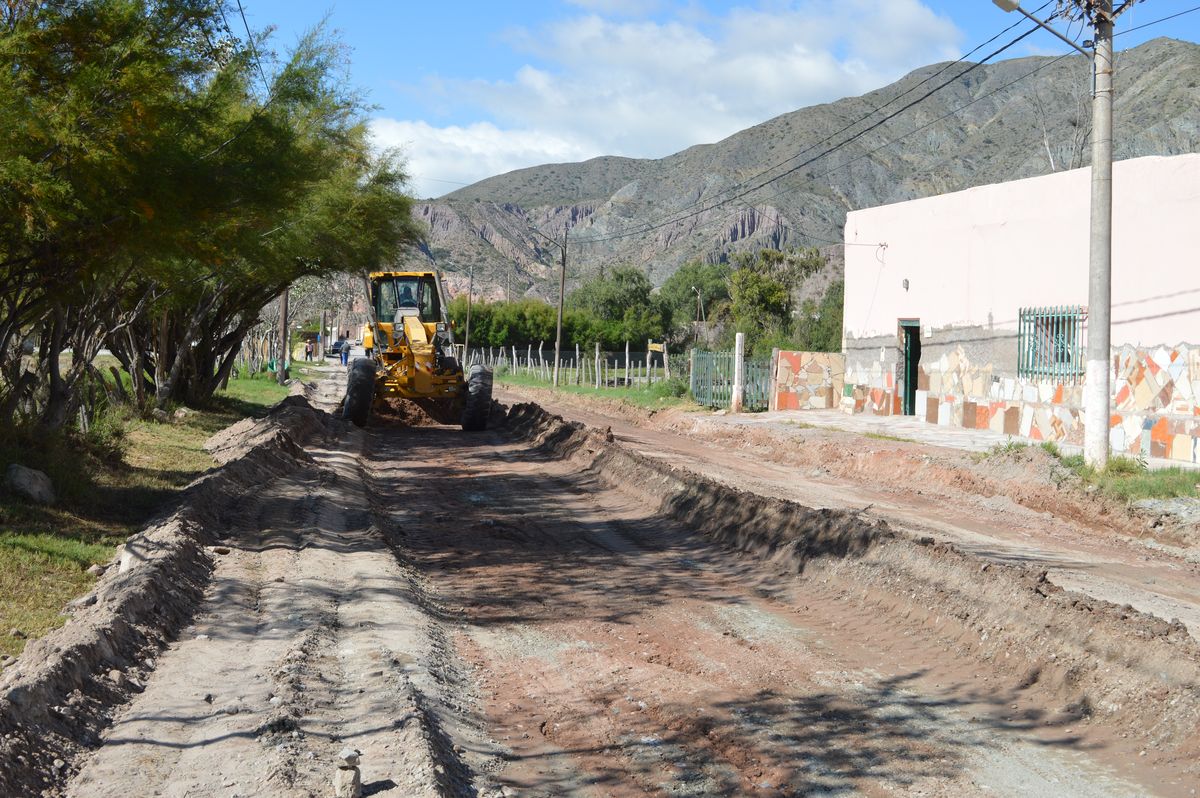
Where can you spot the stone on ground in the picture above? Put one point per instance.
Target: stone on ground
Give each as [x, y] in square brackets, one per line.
[29, 483]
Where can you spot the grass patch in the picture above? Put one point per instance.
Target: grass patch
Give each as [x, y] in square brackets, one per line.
[1129, 479]
[663, 393]
[879, 436]
[109, 484]
[39, 573]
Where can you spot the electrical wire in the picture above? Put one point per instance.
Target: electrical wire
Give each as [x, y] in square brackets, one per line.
[253, 49]
[865, 117]
[674, 218]
[886, 144]
[650, 227]
[1156, 21]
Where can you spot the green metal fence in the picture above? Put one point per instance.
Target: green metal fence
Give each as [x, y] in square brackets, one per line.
[712, 378]
[757, 393]
[1050, 344]
[712, 381]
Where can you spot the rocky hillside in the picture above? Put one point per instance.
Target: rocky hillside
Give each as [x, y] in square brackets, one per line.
[1002, 121]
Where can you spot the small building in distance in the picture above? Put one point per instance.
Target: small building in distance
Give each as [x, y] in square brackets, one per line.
[970, 308]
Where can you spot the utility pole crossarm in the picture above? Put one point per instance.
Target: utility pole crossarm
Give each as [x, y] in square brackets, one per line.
[1014, 5]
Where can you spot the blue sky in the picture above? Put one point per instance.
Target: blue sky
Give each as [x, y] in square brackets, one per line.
[471, 89]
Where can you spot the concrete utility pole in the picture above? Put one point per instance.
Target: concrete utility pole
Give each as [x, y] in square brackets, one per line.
[322, 339]
[739, 373]
[562, 288]
[1097, 393]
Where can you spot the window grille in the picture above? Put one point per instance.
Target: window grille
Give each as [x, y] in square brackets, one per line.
[1050, 344]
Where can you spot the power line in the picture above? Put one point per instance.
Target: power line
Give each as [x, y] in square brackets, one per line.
[1155, 22]
[886, 144]
[736, 186]
[650, 227]
[253, 48]
[869, 153]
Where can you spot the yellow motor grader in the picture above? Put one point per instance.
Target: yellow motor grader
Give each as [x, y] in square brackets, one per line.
[414, 356]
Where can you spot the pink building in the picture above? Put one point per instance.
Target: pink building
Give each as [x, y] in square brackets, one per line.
[970, 308]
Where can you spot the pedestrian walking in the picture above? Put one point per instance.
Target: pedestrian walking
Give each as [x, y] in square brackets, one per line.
[345, 351]
[308, 350]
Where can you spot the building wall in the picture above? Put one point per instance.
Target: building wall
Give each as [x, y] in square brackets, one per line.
[1155, 404]
[973, 258]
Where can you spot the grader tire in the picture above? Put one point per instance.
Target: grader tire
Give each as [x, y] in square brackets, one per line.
[360, 391]
[479, 399]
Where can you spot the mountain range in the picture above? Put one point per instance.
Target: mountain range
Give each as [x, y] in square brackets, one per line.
[789, 181]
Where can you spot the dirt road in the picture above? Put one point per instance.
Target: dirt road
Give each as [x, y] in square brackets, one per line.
[517, 614]
[1082, 552]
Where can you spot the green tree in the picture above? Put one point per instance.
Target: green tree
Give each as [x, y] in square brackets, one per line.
[708, 282]
[819, 325]
[619, 306]
[154, 199]
[760, 304]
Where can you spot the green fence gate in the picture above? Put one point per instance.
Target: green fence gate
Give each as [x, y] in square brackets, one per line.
[756, 395]
[712, 378]
[712, 381]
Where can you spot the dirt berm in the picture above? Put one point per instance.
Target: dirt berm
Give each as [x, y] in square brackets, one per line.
[1085, 660]
[65, 687]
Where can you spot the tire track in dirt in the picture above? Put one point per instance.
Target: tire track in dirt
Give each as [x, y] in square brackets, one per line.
[492, 615]
[616, 654]
[926, 490]
[307, 641]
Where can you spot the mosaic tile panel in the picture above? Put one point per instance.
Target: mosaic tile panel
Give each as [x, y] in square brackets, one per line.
[809, 380]
[1155, 411]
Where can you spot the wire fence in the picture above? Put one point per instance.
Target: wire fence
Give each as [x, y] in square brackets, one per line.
[709, 374]
[599, 370]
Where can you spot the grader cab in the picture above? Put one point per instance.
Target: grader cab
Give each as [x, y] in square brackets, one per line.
[413, 355]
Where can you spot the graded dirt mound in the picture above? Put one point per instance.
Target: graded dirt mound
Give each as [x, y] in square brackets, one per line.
[65, 687]
[1082, 659]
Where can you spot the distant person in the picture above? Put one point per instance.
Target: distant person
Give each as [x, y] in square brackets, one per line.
[368, 341]
[308, 350]
[345, 351]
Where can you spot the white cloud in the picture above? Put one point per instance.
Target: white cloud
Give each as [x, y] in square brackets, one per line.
[627, 7]
[441, 159]
[646, 89]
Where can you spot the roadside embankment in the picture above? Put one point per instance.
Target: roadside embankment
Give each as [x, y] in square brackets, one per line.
[1083, 660]
[64, 687]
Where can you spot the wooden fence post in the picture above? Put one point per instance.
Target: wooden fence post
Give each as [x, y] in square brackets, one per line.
[649, 373]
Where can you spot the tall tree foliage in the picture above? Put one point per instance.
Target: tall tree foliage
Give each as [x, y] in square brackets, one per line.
[617, 307]
[762, 288]
[696, 290]
[157, 188]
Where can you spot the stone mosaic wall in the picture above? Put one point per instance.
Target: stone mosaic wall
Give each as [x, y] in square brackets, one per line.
[1156, 402]
[808, 380]
[1155, 410]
